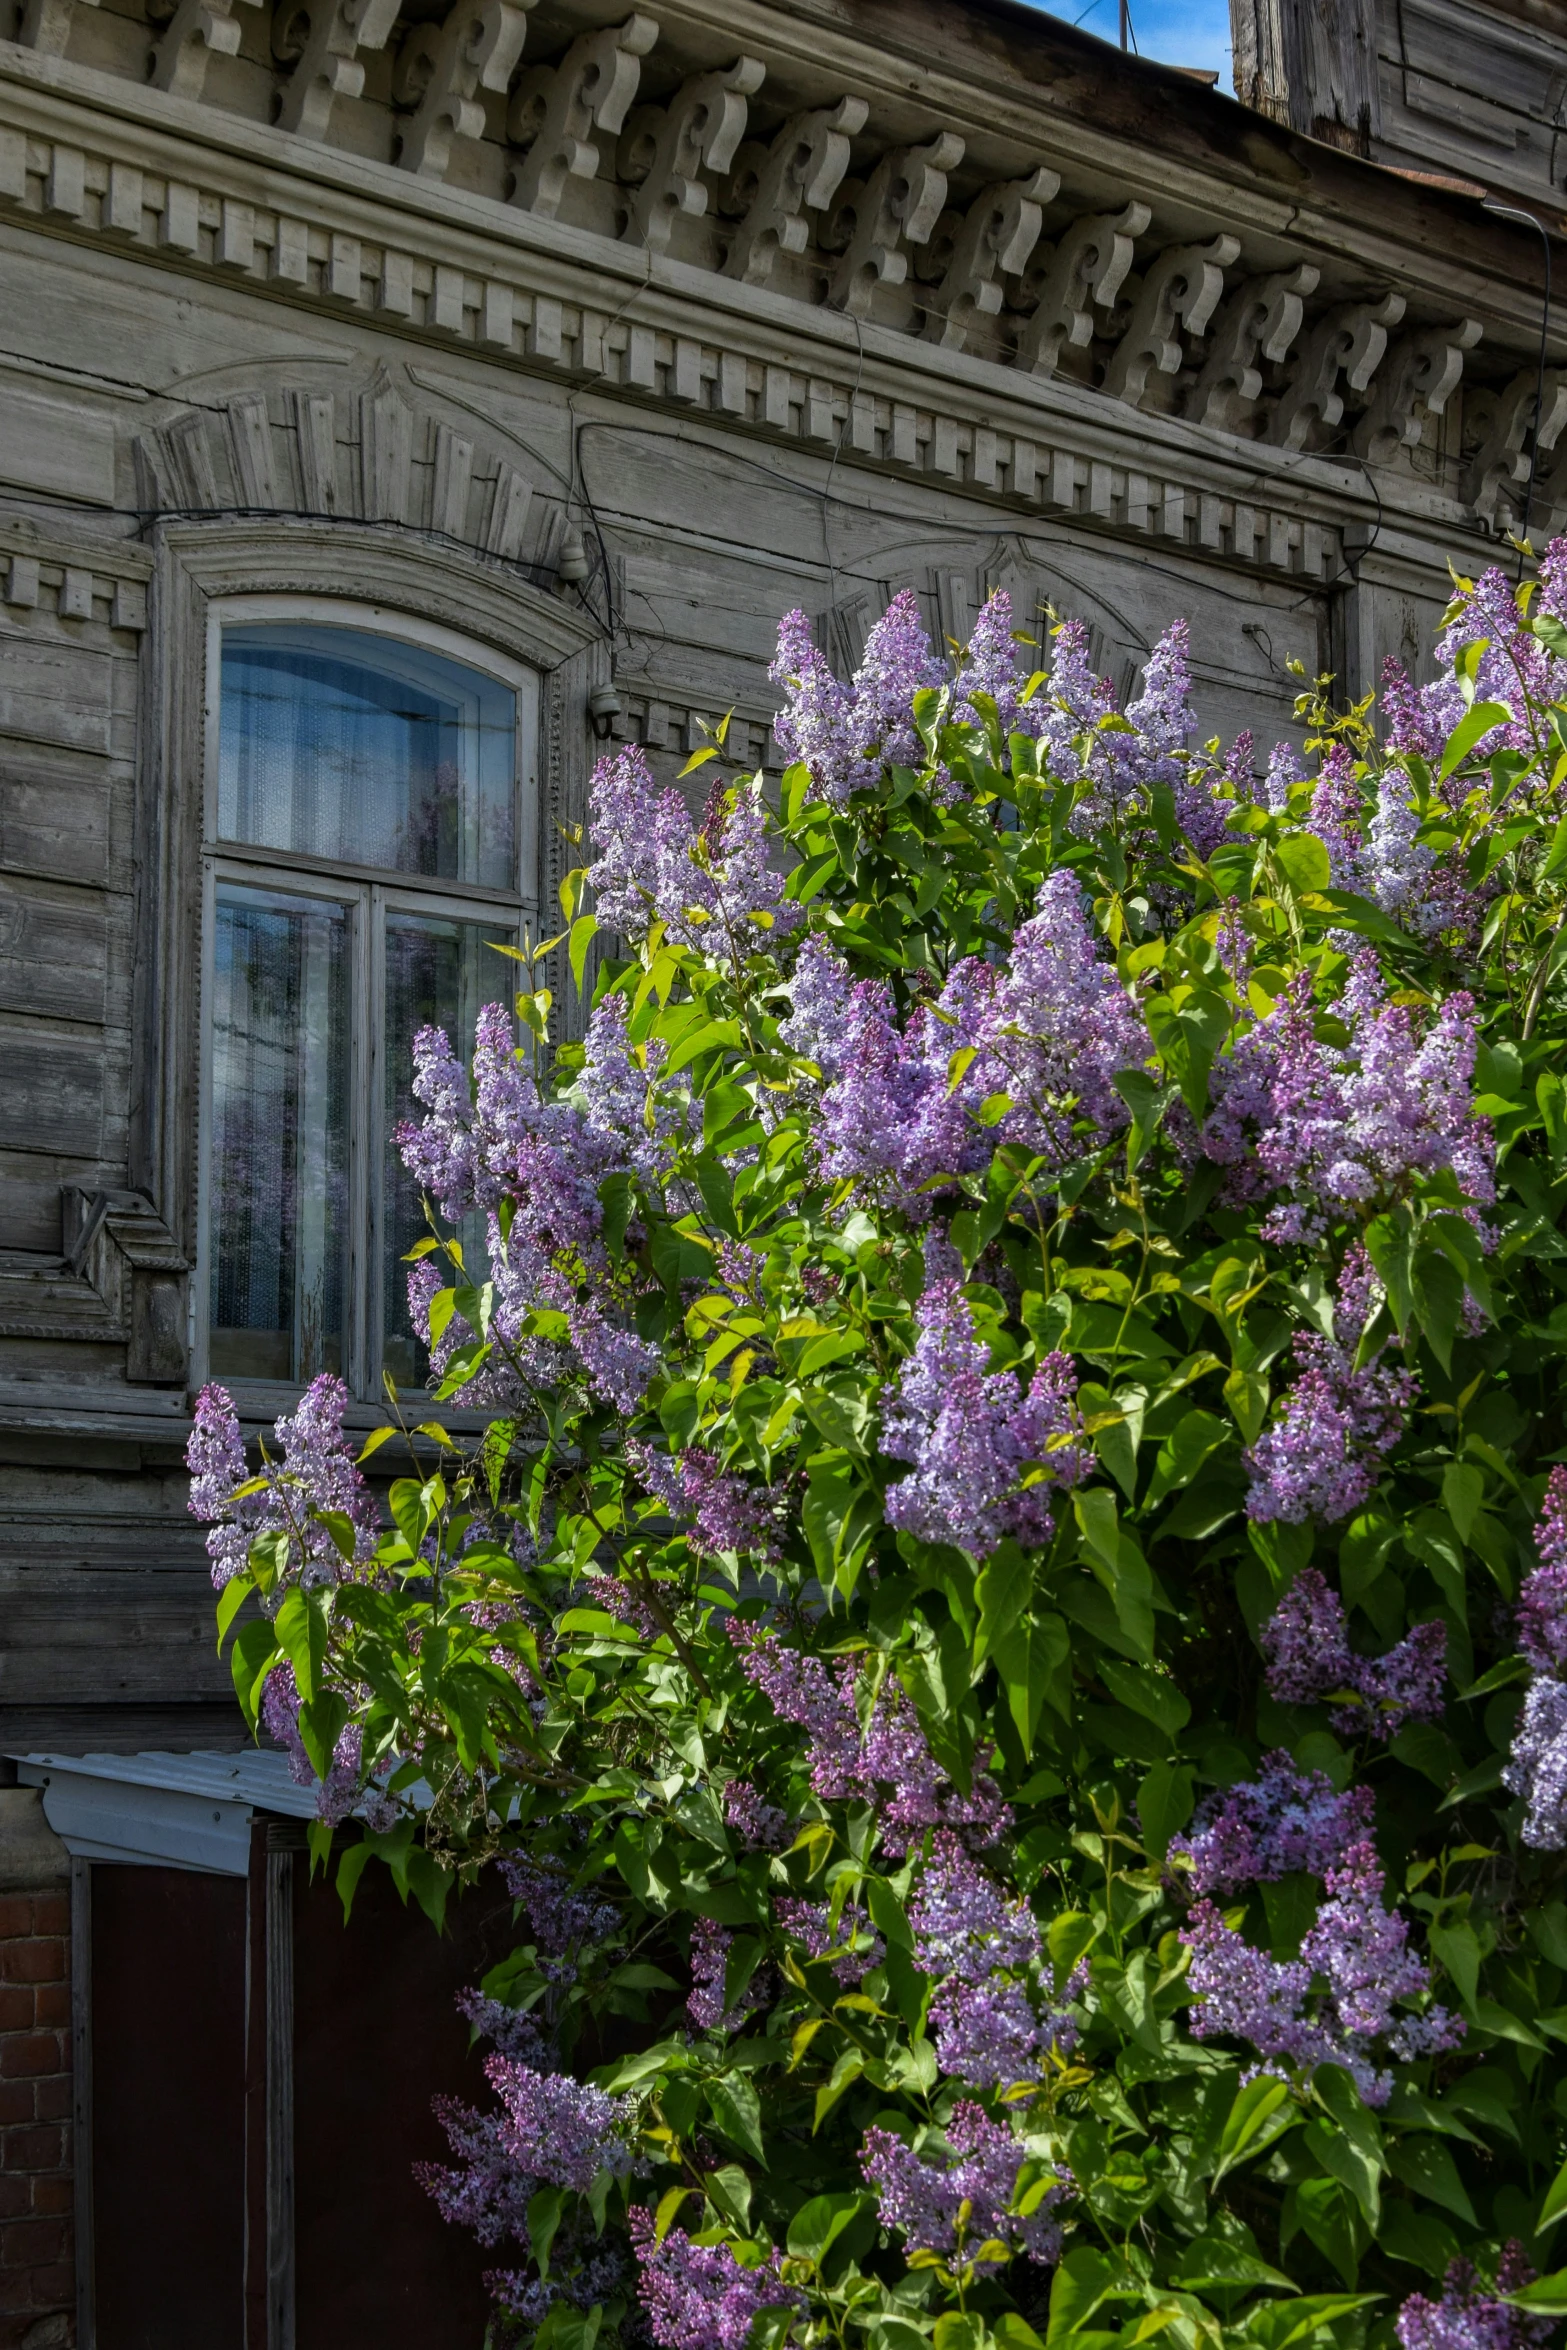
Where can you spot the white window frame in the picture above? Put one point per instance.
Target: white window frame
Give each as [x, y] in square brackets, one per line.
[369, 894]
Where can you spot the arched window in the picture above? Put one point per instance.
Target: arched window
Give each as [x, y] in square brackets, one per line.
[370, 839]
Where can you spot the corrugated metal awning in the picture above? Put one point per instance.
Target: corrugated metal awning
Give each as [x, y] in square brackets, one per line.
[187, 1811]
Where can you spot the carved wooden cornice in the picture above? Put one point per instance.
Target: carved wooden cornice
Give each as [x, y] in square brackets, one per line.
[446, 268]
[933, 210]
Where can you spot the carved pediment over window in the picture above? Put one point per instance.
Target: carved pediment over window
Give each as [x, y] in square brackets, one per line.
[357, 453]
[121, 1281]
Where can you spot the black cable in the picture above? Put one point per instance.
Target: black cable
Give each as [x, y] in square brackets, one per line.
[1532, 220]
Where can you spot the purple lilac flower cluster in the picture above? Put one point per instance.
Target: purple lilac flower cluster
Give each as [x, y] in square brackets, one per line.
[484, 2190]
[555, 2128]
[1467, 2317]
[1427, 892]
[1266, 1828]
[925, 2201]
[493, 2180]
[760, 1825]
[889, 1117]
[339, 1792]
[1334, 817]
[846, 734]
[986, 1956]
[315, 1471]
[1337, 1422]
[1514, 667]
[853, 1945]
[1050, 1031]
[699, 2296]
[1358, 1948]
[1057, 1030]
[710, 1946]
[1340, 1130]
[527, 2300]
[561, 1920]
[1537, 1765]
[547, 1157]
[1542, 1603]
[887, 1762]
[1309, 1659]
[988, 1454]
[712, 885]
[723, 1513]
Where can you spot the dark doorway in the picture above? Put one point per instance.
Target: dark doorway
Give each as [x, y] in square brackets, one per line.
[376, 2034]
[168, 2138]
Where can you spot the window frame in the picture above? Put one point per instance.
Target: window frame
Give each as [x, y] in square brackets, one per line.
[368, 893]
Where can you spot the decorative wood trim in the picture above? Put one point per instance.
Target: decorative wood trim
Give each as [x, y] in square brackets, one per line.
[488, 603]
[561, 301]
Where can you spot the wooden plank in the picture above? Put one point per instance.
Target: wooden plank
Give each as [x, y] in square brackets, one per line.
[53, 1089]
[55, 445]
[29, 1214]
[53, 691]
[57, 825]
[53, 954]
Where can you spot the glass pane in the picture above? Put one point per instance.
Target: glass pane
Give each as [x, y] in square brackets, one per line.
[279, 1173]
[338, 744]
[437, 976]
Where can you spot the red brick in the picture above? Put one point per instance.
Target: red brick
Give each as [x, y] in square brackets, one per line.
[32, 2243]
[54, 2194]
[16, 2102]
[39, 1959]
[51, 1913]
[52, 2098]
[19, 2292]
[35, 2149]
[55, 2286]
[16, 2199]
[51, 2006]
[16, 1914]
[26, 2054]
[16, 2007]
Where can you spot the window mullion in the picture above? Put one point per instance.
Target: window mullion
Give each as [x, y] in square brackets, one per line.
[365, 1230]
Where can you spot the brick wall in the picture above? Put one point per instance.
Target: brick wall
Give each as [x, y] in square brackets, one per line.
[37, 2281]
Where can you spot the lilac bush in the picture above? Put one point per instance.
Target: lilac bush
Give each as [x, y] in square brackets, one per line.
[981, 1566]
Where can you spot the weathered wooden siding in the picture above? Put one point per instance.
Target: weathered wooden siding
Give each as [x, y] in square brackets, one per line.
[236, 359]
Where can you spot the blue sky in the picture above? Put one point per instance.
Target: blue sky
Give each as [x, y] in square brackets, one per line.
[1179, 32]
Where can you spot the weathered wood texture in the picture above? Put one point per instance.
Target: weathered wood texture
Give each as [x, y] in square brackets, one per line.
[974, 302]
[1432, 87]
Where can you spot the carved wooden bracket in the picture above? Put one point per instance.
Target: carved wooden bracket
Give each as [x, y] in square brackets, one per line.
[556, 109]
[1258, 322]
[772, 188]
[197, 31]
[895, 209]
[46, 25]
[1348, 343]
[1495, 478]
[118, 1245]
[1180, 293]
[668, 149]
[1089, 265]
[322, 40]
[1417, 381]
[441, 68]
[994, 239]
